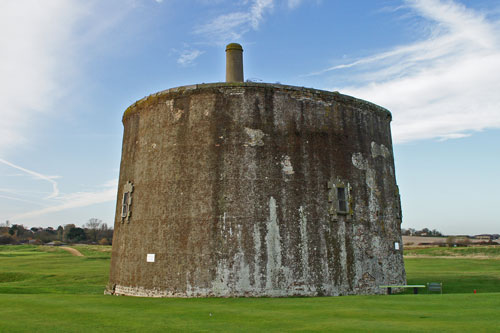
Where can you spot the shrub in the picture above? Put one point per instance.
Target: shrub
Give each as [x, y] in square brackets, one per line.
[463, 241]
[7, 239]
[104, 241]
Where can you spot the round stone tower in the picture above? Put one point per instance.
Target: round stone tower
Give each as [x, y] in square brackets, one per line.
[252, 189]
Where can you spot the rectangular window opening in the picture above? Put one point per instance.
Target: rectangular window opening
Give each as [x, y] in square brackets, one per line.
[125, 204]
[342, 199]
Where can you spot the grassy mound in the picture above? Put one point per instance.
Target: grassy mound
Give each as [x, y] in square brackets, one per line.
[44, 269]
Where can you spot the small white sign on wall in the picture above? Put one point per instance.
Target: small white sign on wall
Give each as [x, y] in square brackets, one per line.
[150, 257]
[396, 246]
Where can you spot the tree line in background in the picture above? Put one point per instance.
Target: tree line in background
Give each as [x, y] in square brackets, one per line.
[423, 232]
[92, 232]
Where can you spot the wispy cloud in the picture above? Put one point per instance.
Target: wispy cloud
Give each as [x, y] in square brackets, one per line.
[257, 11]
[50, 179]
[31, 202]
[294, 3]
[56, 201]
[73, 200]
[232, 26]
[33, 34]
[188, 57]
[46, 43]
[454, 136]
[441, 86]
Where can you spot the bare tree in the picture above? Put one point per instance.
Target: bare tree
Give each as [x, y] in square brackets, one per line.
[92, 227]
[105, 234]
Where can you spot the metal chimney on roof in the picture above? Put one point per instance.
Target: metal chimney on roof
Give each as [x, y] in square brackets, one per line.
[234, 63]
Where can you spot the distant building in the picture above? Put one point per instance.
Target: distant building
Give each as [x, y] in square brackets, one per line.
[484, 237]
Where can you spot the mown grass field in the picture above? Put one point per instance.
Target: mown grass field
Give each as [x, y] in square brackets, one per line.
[482, 252]
[47, 289]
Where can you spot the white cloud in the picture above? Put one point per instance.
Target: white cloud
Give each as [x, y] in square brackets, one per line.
[232, 26]
[64, 202]
[45, 44]
[33, 34]
[50, 179]
[188, 57]
[111, 183]
[55, 201]
[442, 86]
[75, 200]
[257, 11]
[294, 3]
[454, 136]
[8, 197]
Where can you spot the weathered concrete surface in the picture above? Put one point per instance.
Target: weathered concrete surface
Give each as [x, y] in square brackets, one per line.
[234, 63]
[235, 194]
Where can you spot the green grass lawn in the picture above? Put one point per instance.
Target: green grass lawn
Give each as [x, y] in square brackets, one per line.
[26, 269]
[457, 275]
[46, 289]
[471, 251]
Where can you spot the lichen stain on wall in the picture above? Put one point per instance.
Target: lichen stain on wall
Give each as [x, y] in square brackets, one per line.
[304, 245]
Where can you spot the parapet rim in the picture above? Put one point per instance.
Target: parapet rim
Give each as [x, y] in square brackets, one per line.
[234, 46]
[187, 89]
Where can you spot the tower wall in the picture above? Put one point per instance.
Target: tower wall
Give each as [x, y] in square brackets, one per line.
[237, 191]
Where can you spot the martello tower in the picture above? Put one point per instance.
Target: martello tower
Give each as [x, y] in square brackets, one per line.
[253, 189]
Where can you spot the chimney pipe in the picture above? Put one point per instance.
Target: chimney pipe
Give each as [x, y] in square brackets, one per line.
[234, 63]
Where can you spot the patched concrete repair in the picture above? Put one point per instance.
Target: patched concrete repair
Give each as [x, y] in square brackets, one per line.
[252, 189]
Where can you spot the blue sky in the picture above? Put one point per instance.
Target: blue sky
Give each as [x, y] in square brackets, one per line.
[70, 68]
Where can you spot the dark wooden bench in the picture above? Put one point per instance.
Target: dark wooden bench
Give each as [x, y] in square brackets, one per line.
[414, 286]
[435, 286]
